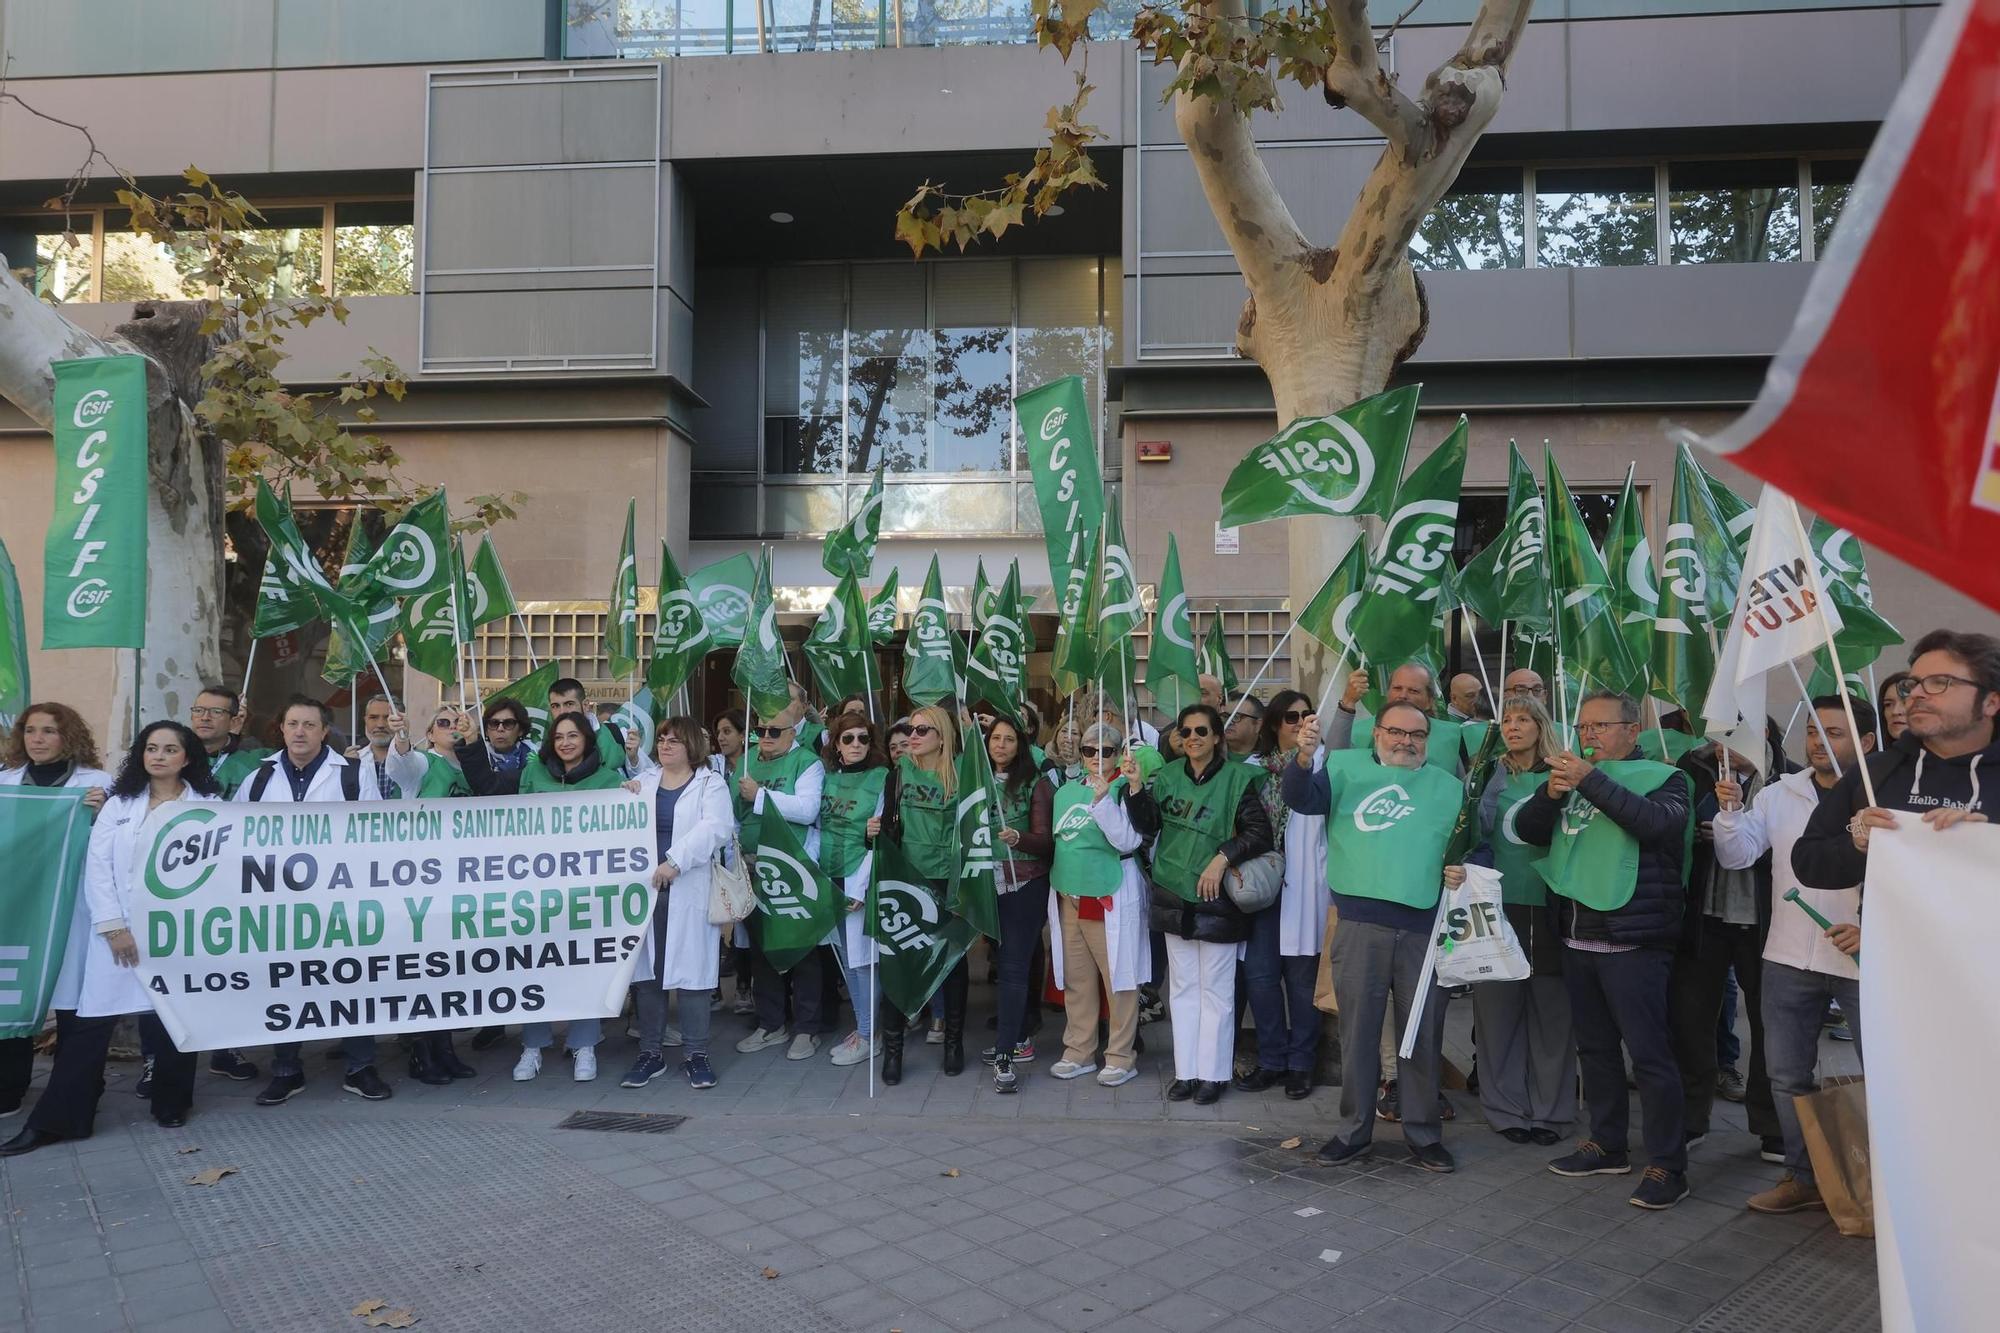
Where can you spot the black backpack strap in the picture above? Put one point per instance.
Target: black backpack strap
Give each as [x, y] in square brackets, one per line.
[260, 780]
[350, 781]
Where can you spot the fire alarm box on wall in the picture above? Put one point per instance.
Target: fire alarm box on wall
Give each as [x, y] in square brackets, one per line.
[1156, 451]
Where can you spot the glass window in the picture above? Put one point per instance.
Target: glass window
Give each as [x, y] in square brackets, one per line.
[972, 313]
[804, 315]
[1744, 212]
[38, 252]
[1061, 330]
[1595, 217]
[138, 268]
[888, 369]
[292, 240]
[1478, 225]
[1832, 181]
[373, 249]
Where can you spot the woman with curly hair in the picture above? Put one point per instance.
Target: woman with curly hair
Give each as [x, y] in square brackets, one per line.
[167, 763]
[51, 746]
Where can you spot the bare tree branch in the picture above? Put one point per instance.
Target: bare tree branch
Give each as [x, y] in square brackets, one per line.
[1355, 79]
[1494, 33]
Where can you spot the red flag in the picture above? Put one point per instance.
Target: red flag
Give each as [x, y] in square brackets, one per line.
[1882, 411]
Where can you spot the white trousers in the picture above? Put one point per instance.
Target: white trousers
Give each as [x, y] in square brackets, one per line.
[1201, 998]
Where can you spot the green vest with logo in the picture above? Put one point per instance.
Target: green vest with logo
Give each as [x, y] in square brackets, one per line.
[1195, 819]
[1591, 859]
[1520, 881]
[442, 779]
[1386, 828]
[846, 805]
[1015, 810]
[930, 820]
[231, 769]
[1441, 747]
[1086, 865]
[780, 775]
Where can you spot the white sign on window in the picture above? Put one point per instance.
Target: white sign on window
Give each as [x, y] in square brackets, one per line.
[1228, 541]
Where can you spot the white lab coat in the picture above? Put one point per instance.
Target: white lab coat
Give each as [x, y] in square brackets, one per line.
[1125, 924]
[325, 784]
[1303, 903]
[800, 808]
[69, 982]
[108, 891]
[1772, 822]
[704, 819]
[407, 771]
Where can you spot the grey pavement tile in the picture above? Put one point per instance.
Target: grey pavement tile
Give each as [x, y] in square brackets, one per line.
[1670, 1302]
[1505, 1316]
[167, 1254]
[1446, 1295]
[1398, 1315]
[1183, 1313]
[884, 1262]
[1544, 1293]
[988, 1230]
[1484, 1274]
[1612, 1317]
[969, 1310]
[1341, 1293]
[1130, 1291]
[1549, 1239]
[1453, 1236]
[867, 1307]
[925, 1285]
[1031, 1248]
[1127, 1250]
[205, 1321]
[1028, 1286]
[1626, 1259]
[978, 1265]
[77, 1271]
[1601, 1282]
[1077, 1311]
[844, 1242]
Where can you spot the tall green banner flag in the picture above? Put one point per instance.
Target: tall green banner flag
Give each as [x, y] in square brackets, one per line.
[760, 661]
[492, 597]
[1396, 620]
[850, 549]
[1319, 467]
[982, 598]
[1214, 659]
[1687, 631]
[1635, 596]
[796, 906]
[680, 634]
[1592, 650]
[1171, 668]
[918, 937]
[882, 612]
[435, 624]
[295, 590]
[1077, 647]
[94, 561]
[722, 591]
[44, 836]
[1119, 612]
[621, 623]
[1329, 617]
[1000, 655]
[416, 556]
[14, 686]
[930, 651]
[345, 657]
[839, 650]
[1069, 489]
[973, 894]
[532, 693]
[1524, 550]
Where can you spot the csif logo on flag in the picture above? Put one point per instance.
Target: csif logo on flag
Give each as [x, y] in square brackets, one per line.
[932, 628]
[411, 562]
[1383, 808]
[1685, 573]
[726, 602]
[1321, 447]
[431, 613]
[1118, 565]
[906, 915]
[1422, 531]
[1052, 424]
[184, 853]
[679, 616]
[978, 857]
[784, 886]
[92, 413]
[1530, 536]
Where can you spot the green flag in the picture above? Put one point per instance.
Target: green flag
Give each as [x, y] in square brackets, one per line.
[982, 598]
[1214, 659]
[1590, 645]
[796, 906]
[1738, 514]
[492, 597]
[1524, 558]
[973, 895]
[760, 661]
[1119, 613]
[882, 612]
[1687, 631]
[532, 693]
[295, 590]
[1076, 656]
[1054, 425]
[1171, 665]
[94, 557]
[722, 591]
[680, 635]
[44, 837]
[850, 549]
[929, 662]
[839, 650]
[1000, 655]
[919, 939]
[1343, 464]
[346, 657]
[1396, 619]
[621, 623]
[1635, 597]
[14, 687]
[282, 606]
[1329, 617]
[1478, 584]
[415, 557]
[431, 632]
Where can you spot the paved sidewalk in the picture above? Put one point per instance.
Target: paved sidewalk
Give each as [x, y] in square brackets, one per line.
[936, 1206]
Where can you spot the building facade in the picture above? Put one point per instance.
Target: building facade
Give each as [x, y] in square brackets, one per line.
[632, 251]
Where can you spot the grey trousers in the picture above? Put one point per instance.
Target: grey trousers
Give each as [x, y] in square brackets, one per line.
[1373, 966]
[1527, 1053]
[1794, 1001]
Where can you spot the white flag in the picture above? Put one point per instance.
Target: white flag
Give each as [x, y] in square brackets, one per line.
[1782, 614]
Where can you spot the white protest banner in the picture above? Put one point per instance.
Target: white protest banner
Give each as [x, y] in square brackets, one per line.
[260, 923]
[1926, 970]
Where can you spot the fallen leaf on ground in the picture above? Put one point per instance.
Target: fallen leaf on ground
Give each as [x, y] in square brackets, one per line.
[951, 1172]
[182, 1152]
[368, 1307]
[1290, 1143]
[392, 1319]
[211, 1175]
[770, 1273]
[1253, 1127]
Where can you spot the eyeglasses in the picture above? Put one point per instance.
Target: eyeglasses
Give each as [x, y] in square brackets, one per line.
[922, 729]
[1936, 683]
[1297, 715]
[502, 724]
[1398, 734]
[855, 738]
[1095, 752]
[769, 733]
[1190, 733]
[203, 710]
[1594, 728]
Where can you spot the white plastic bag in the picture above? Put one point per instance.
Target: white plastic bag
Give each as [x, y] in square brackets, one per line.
[1476, 942]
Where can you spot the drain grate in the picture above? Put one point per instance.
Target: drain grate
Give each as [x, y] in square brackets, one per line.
[1826, 1285]
[624, 1122]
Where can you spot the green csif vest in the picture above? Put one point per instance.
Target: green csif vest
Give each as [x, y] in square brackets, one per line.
[1086, 865]
[1591, 859]
[780, 775]
[1517, 861]
[847, 804]
[1386, 828]
[1195, 819]
[930, 820]
[442, 778]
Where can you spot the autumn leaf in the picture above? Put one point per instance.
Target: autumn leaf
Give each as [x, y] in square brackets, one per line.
[391, 1319]
[952, 1173]
[770, 1273]
[212, 1175]
[369, 1306]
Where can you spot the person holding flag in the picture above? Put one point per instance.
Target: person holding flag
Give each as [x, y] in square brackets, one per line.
[785, 776]
[857, 781]
[1281, 962]
[1618, 830]
[920, 815]
[390, 768]
[1208, 817]
[1023, 807]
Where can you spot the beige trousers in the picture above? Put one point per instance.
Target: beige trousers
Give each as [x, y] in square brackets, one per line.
[1086, 972]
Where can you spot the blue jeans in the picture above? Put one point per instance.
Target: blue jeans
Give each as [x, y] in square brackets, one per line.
[859, 986]
[1728, 1046]
[1794, 1002]
[650, 1003]
[1280, 990]
[1023, 913]
[582, 1032]
[360, 1053]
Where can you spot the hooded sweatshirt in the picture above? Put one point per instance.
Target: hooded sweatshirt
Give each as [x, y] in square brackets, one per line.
[1907, 777]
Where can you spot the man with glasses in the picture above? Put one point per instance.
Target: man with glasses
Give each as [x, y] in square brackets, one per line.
[1413, 684]
[1523, 681]
[1388, 815]
[1618, 832]
[1246, 717]
[1934, 771]
[216, 717]
[789, 776]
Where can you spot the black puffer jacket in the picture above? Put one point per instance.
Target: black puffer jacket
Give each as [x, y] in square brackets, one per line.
[1907, 777]
[1217, 921]
[1659, 822]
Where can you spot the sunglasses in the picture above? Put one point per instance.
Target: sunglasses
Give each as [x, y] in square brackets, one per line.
[1094, 752]
[769, 733]
[1297, 715]
[923, 729]
[855, 738]
[499, 723]
[1189, 733]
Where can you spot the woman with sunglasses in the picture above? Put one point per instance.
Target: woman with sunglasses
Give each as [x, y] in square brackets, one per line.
[920, 812]
[1027, 804]
[1281, 961]
[1208, 816]
[782, 773]
[857, 781]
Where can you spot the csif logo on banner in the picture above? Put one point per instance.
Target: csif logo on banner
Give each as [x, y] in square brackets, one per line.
[94, 576]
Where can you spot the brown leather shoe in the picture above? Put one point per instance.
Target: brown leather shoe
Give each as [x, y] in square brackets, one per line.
[1789, 1195]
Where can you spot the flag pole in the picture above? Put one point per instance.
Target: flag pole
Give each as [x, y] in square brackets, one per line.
[1832, 652]
[1479, 656]
[1246, 691]
[243, 694]
[527, 640]
[1502, 676]
[1812, 715]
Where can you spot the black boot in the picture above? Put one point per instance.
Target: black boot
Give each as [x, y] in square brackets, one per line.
[892, 1058]
[445, 1058]
[954, 1043]
[422, 1068]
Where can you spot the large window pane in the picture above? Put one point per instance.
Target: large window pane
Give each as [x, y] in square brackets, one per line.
[373, 246]
[1595, 217]
[972, 311]
[888, 369]
[804, 315]
[1734, 212]
[37, 252]
[1060, 329]
[137, 268]
[1832, 181]
[1477, 226]
[291, 242]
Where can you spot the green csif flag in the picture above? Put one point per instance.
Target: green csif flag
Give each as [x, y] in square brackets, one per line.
[1590, 646]
[1077, 647]
[882, 612]
[1214, 659]
[15, 690]
[1687, 631]
[1635, 596]
[416, 556]
[94, 558]
[839, 651]
[1329, 617]
[346, 657]
[1524, 553]
[492, 597]
[532, 693]
[1172, 671]
[435, 625]
[722, 591]
[1397, 619]
[930, 651]
[1119, 613]
[1054, 425]
[796, 906]
[997, 669]
[850, 548]
[44, 838]
[621, 621]
[760, 661]
[1319, 467]
[973, 894]
[1863, 633]
[295, 590]
[680, 634]
[918, 938]
[982, 598]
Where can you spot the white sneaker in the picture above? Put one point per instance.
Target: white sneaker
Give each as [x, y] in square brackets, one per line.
[854, 1050]
[1071, 1069]
[672, 1036]
[762, 1040]
[804, 1047]
[1112, 1076]
[529, 1065]
[935, 1037]
[586, 1063]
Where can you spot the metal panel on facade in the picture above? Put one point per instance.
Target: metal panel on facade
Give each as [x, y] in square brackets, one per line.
[1686, 309]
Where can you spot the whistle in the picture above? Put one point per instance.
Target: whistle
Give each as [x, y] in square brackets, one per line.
[1589, 751]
